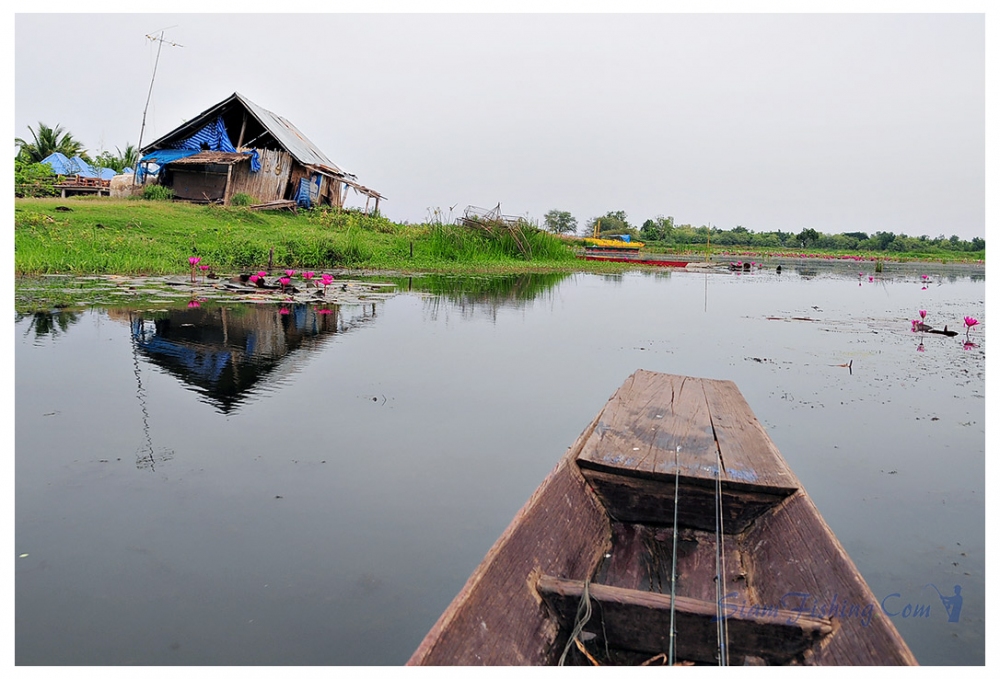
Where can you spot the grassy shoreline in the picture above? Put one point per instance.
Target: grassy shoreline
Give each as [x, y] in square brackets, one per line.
[86, 236]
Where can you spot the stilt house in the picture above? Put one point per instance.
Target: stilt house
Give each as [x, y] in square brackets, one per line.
[237, 147]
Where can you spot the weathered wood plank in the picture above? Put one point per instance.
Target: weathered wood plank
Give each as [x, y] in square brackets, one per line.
[640, 558]
[659, 424]
[647, 419]
[748, 454]
[640, 621]
[795, 560]
[498, 618]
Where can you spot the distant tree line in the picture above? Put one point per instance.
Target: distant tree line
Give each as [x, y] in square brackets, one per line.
[664, 232]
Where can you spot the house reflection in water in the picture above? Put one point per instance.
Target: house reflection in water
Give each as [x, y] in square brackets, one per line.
[227, 354]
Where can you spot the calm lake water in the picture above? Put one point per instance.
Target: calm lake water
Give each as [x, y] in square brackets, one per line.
[234, 486]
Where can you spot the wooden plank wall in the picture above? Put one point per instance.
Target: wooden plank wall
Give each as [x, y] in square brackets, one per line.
[271, 183]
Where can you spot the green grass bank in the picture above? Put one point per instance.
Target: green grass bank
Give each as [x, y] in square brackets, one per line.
[81, 236]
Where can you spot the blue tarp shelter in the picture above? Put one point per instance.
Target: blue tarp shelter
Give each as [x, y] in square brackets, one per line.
[76, 165]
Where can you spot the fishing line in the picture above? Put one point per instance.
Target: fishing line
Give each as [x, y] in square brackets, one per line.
[722, 626]
[673, 560]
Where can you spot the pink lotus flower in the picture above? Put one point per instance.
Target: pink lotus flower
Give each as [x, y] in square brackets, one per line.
[284, 280]
[969, 345]
[969, 322]
[194, 260]
[326, 280]
[193, 304]
[920, 347]
[871, 279]
[923, 314]
[289, 272]
[262, 273]
[254, 278]
[308, 274]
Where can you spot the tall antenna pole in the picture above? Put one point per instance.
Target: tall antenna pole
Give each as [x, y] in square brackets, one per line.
[159, 39]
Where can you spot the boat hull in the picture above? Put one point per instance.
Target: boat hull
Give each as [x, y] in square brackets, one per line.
[600, 533]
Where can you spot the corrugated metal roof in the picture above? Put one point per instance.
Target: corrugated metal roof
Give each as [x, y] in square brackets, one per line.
[289, 136]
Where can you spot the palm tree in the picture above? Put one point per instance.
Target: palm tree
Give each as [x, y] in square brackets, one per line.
[124, 159]
[47, 141]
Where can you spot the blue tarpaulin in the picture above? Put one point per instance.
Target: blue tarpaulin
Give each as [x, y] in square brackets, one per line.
[76, 165]
[308, 192]
[164, 156]
[213, 137]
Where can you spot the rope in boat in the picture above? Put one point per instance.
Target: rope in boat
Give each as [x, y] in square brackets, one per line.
[673, 559]
[583, 612]
[722, 626]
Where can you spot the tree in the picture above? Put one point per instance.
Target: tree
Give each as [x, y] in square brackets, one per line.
[613, 223]
[883, 239]
[807, 236]
[558, 221]
[119, 163]
[659, 229]
[47, 141]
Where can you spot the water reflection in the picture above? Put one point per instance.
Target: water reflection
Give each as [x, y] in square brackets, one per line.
[227, 354]
[482, 294]
[146, 457]
[49, 324]
[198, 561]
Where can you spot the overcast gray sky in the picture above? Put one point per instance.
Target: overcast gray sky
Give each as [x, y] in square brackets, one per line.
[838, 122]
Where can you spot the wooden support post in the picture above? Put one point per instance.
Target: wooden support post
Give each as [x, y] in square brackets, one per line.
[239, 142]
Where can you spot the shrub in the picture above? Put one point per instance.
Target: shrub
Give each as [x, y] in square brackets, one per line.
[242, 200]
[33, 179]
[157, 192]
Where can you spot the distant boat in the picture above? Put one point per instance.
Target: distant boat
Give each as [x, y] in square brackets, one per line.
[585, 573]
[633, 257]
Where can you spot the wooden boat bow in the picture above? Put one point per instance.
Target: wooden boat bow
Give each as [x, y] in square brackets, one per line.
[758, 578]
